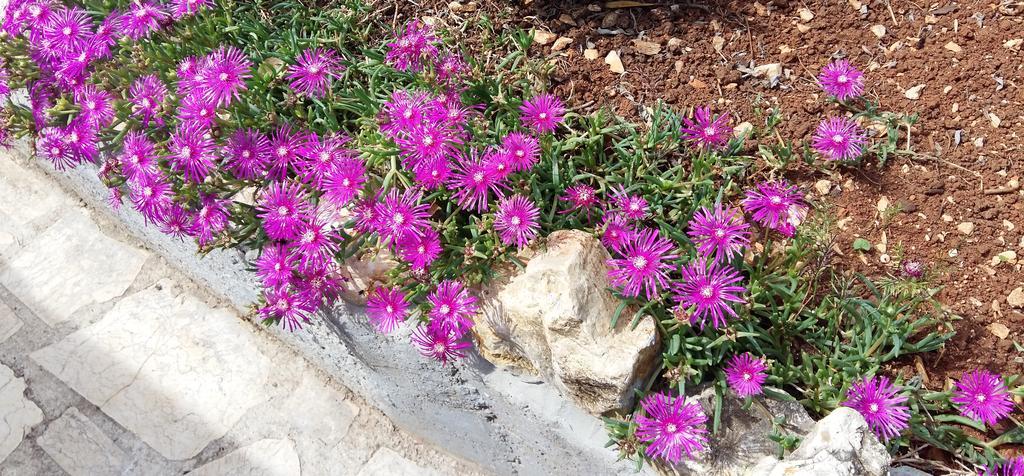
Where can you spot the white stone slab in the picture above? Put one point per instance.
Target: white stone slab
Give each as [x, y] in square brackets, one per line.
[80, 447]
[9, 323]
[172, 370]
[262, 458]
[28, 204]
[19, 413]
[71, 265]
[386, 462]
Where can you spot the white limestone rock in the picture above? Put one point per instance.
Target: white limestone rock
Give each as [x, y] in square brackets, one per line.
[387, 462]
[263, 458]
[19, 413]
[9, 323]
[554, 319]
[80, 447]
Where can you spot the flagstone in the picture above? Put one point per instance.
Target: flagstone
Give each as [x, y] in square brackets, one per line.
[19, 414]
[80, 447]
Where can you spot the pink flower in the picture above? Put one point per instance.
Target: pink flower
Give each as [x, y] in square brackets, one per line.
[284, 151]
[404, 112]
[841, 80]
[706, 131]
[344, 182]
[451, 306]
[617, 232]
[185, 8]
[247, 153]
[420, 251]
[543, 113]
[709, 290]
[316, 243]
[210, 220]
[745, 375]
[580, 197]
[275, 266]
[283, 208]
[473, 182]
[402, 215]
[192, 151]
[143, 18]
[68, 30]
[776, 205]
[432, 173]
[97, 105]
[286, 306]
[312, 72]
[387, 308]
[138, 156]
[408, 51]
[516, 220]
[881, 405]
[633, 207]
[721, 233]
[644, 265]
[671, 427]
[982, 395]
[839, 138]
[428, 141]
[147, 95]
[321, 156]
[175, 222]
[439, 344]
[197, 110]
[151, 195]
[522, 150]
[224, 74]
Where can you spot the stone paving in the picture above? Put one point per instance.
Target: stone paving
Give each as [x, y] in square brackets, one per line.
[111, 362]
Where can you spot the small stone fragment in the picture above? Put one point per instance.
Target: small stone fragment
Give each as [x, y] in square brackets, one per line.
[561, 43]
[823, 187]
[914, 93]
[1016, 297]
[648, 48]
[771, 71]
[806, 14]
[999, 330]
[613, 61]
[542, 37]
[951, 46]
[591, 54]
[994, 119]
[965, 227]
[1013, 44]
[883, 204]
[878, 30]
[1008, 256]
[742, 129]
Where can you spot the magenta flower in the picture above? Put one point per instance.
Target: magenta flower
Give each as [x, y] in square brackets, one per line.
[147, 95]
[143, 18]
[316, 243]
[543, 113]
[745, 375]
[432, 173]
[429, 140]
[580, 197]
[283, 209]
[224, 74]
[286, 306]
[451, 69]
[473, 181]
[402, 215]
[403, 112]
[210, 220]
[151, 195]
[344, 182]
[671, 427]
[516, 220]
[420, 251]
[320, 283]
[522, 151]
[1010, 467]
[408, 51]
[67, 30]
[97, 105]
[80, 136]
[175, 222]
[880, 404]
[633, 207]
[191, 151]
[709, 290]
[275, 266]
[841, 80]
[439, 344]
[320, 156]
[138, 156]
[284, 151]
[707, 131]
[185, 8]
[451, 111]
[197, 110]
[912, 269]
[982, 395]
[839, 138]
[617, 232]
[387, 308]
[451, 306]
[776, 205]
[5, 87]
[247, 152]
[720, 233]
[312, 72]
[644, 265]
[366, 212]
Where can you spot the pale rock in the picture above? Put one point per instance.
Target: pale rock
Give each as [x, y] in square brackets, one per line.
[995, 120]
[952, 46]
[806, 14]
[462, 8]
[38, 207]
[561, 43]
[841, 444]
[363, 272]
[9, 323]
[1008, 256]
[80, 447]
[914, 93]
[648, 48]
[878, 30]
[999, 330]
[69, 266]
[159, 364]
[742, 129]
[554, 319]
[674, 43]
[542, 37]
[1013, 44]
[262, 458]
[883, 204]
[771, 71]
[387, 462]
[614, 62]
[19, 413]
[591, 54]
[718, 43]
[823, 187]
[744, 436]
[1016, 297]
[965, 227]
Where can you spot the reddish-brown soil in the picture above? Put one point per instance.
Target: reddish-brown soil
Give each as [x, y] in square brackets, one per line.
[968, 55]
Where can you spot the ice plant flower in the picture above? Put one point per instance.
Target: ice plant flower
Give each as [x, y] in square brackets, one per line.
[284, 151]
[439, 344]
[543, 113]
[97, 105]
[983, 396]
[710, 290]
[720, 233]
[841, 80]
[147, 95]
[671, 427]
[316, 244]
[522, 151]
[192, 151]
[247, 153]
[343, 183]
[138, 156]
[402, 215]
[312, 72]
[839, 138]
[473, 181]
[420, 251]
[224, 75]
[283, 209]
[633, 207]
[210, 219]
[1010, 467]
[516, 220]
[184, 8]
[387, 308]
[287, 306]
[275, 266]
[617, 232]
[881, 405]
[151, 195]
[644, 265]
[408, 51]
[67, 30]
[175, 222]
[143, 18]
[745, 375]
[707, 131]
[776, 205]
[580, 197]
[451, 306]
[197, 110]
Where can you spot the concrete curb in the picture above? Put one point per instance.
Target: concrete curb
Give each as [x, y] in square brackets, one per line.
[473, 410]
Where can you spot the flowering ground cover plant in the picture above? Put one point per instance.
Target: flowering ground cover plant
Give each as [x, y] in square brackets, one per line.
[404, 147]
